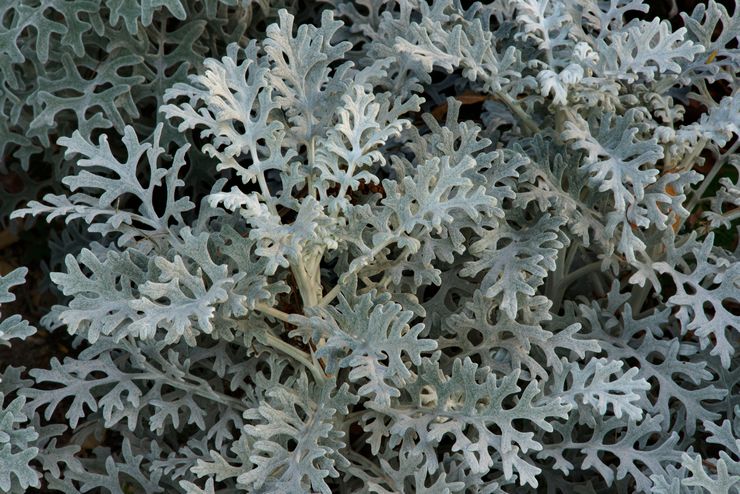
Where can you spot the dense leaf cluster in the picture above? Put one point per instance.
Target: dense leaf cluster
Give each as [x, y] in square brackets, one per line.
[383, 246]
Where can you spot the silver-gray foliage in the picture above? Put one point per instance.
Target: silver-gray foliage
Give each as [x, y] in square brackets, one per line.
[378, 295]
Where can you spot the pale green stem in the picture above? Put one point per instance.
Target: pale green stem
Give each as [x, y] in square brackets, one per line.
[581, 272]
[329, 297]
[298, 355]
[266, 193]
[275, 313]
[304, 270]
[263, 185]
[560, 118]
[519, 112]
[569, 279]
[688, 161]
[571, 256]
[309, 361]
[731, 216]
[708, 179]
[203, 391]
[553, 278]
[555, 282]
[361, 460]
[156, 225]
[314, 271]
[311, 147]
[353, 417]
[705, 91]
[307, 289]
[639, 299]
[155, 374]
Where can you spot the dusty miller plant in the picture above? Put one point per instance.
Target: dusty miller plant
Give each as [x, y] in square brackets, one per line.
[381, 295]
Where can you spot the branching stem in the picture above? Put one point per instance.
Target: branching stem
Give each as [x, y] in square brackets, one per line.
[276, 313]
[297, 354]
[529, 124]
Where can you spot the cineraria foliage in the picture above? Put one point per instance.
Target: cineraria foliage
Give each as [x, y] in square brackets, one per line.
[378, 294]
